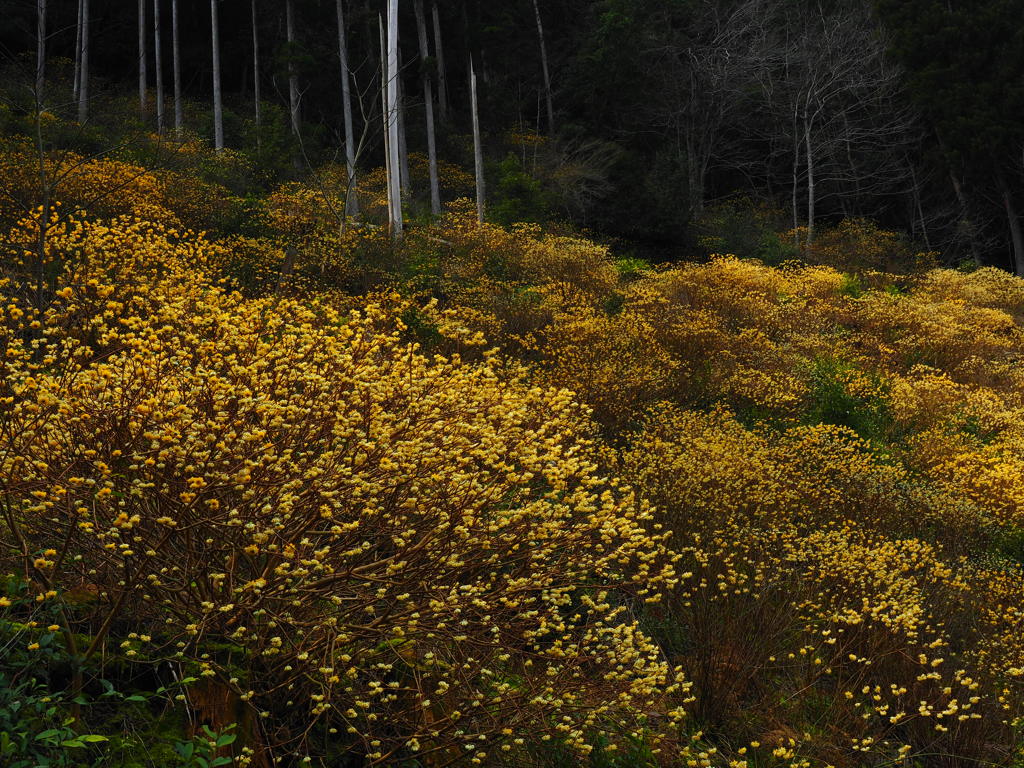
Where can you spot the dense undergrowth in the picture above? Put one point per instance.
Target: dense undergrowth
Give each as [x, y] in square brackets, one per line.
[491, 496]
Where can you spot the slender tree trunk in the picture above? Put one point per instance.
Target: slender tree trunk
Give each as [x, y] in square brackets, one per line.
[158, 63]
[40, 51]
[811, 202]
[293, 78]
[83, 85]
[179, 117]
[403, 146]
[544, 68]
[1016, 235]
[428, 100]
[143, 78]
[478, 153]
[386, 120]
[795, 192]
[394, 114]
[218, 107]
[78, 53]
[351, 203]
[442, 77]
[256, 78]
[917, 203]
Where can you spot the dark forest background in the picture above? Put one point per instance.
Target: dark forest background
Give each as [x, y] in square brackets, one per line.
[668, 114]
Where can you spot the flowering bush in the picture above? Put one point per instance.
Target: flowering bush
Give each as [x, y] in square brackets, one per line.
[415, 552]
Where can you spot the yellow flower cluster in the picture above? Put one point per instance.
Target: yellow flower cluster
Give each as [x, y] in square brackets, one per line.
[415, 551]
[797, 521]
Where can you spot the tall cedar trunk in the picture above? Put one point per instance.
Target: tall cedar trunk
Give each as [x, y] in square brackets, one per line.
[544, 68]
[44, 185]
[40, 52]
[394, 113]
[143, 77]
[811, 202]
[917, 204]
[78, 53]
[403, 146]
[442, 77]
[83, 85]
[218, 107]
[795, 191]
[158, 64]
[1016, 235]
[385, 118]
[428, 99]
[478, 153]
[293, 78]
[351, 203]
[179, 117]
[256, 77]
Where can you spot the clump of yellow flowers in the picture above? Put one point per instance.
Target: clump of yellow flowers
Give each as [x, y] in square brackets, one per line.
[715, 514]
[414, 550]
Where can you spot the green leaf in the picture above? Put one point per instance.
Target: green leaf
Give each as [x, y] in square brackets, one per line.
[93, 738]
[226, 739]
[185, 749]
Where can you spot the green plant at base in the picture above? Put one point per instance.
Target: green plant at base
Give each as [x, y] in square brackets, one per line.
[34, 734]
[202, 751]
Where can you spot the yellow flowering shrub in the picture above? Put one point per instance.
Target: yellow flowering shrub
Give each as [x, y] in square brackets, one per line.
[860, 244]
[811, 565]
[784, 502]
[418, 553]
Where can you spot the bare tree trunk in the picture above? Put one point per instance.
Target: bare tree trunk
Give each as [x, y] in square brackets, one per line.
[442, 77]
[544, 67]
[1016, 235]
[256, 77]
[143, 78]
[917, 203]
[218, 107]
[428, 99]
[83, 86]
[293, 78]
[40, 51]
[478, 153]
[179, 118]
[403, 146]
[158, 62]
[386, 119]
[796, 184]
[351, 203]
[394, 115]
[810, 181]
[78, 53]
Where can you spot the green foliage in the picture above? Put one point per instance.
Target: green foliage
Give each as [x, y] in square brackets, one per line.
[35, 731]
[836, 396]
[744, 228]
[632, 268]
[204, 751]
[852, 286]
[518, 196]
